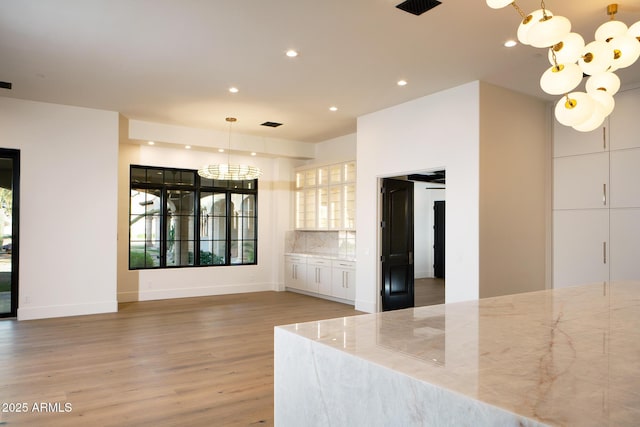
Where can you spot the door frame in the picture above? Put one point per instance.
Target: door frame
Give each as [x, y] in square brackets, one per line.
[15, 229]
[379, 180]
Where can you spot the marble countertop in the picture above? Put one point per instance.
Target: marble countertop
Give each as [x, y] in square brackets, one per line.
[561, 357]
[322, 256]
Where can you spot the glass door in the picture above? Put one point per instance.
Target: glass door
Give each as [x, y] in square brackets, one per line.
[9, 190]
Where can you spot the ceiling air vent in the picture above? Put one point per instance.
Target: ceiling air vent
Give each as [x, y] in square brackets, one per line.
[418, 7]
[271, 124]
[5, 85]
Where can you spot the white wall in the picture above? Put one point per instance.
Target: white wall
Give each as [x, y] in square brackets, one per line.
[423, 227]
[437, 131]
[274, 218]
[336, 150]
[68, 198]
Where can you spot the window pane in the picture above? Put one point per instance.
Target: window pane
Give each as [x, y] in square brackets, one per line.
[155, 176]
[180, 227]
[177, 177]
[213, 218]
[138, 175]
[248, 252]
[144, 228]
[206, 182]
[144, 254]
[219, 251]
[180, 252]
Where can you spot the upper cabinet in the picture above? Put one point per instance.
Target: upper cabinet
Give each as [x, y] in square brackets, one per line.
[625, 126]
[570, 142]
[325, 197]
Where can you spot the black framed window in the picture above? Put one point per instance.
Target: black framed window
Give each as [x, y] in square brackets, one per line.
[178, 219]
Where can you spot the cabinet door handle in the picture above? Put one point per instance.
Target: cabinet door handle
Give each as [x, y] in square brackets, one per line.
[604, 137]
[604, 252]
[604, 194]
[295, 271]
[346, 279]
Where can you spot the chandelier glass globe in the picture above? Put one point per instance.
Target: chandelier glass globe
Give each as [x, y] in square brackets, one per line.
[574, 109]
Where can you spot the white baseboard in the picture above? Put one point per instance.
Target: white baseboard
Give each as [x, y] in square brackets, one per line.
[51, 311]
[366, 306]
[159, 294]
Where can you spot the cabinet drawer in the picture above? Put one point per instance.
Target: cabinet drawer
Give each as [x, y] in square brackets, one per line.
[295, 259]
[344, 264]
[319, 262]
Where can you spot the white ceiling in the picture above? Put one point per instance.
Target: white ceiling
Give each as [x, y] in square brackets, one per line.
[172, 61]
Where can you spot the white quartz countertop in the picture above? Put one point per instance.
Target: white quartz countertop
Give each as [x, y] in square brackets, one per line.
[561, 357]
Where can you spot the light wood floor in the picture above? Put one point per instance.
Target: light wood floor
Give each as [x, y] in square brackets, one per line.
[186, 362]
[428, 291]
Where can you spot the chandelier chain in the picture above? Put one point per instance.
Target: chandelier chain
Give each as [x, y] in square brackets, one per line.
[544, 10]
[553, 55]
[520, 11]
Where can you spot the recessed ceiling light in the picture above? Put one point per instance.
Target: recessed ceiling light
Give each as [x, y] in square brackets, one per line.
[510, 43]
[233, 89]
[188, 147]
[292, 53]
[402, 82]
[333, 108]
[220, 150]
[151, 143]
[253, 153]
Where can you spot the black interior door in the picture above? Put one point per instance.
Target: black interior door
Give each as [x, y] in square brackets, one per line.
[438, 238]
[397, 244]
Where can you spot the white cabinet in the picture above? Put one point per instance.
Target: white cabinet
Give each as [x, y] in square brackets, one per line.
[578, 236]
[625, 178]
[596, 200]
[295, 271]
[343, 283]
[625, 244]
[581, 182]
[319, 276]
[333, 279]
[569, 142]
[625, 126]
[325, 197]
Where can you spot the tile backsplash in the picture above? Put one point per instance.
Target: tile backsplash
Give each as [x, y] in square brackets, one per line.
[331, 243]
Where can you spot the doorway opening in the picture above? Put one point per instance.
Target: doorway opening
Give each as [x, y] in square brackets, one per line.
[9, 204]
[412, 240]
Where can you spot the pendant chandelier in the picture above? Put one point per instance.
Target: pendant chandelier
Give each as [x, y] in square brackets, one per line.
[228, 171]
[616, 46]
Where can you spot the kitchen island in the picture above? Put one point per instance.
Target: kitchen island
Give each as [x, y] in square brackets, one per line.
[559, 357]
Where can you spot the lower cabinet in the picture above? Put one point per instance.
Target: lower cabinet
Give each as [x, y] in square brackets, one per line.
[581, 247]
[319, 276]
[343, 280]
[323, 277]
[295, 272]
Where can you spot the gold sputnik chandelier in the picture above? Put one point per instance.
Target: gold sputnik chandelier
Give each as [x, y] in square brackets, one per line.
[615, 46]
